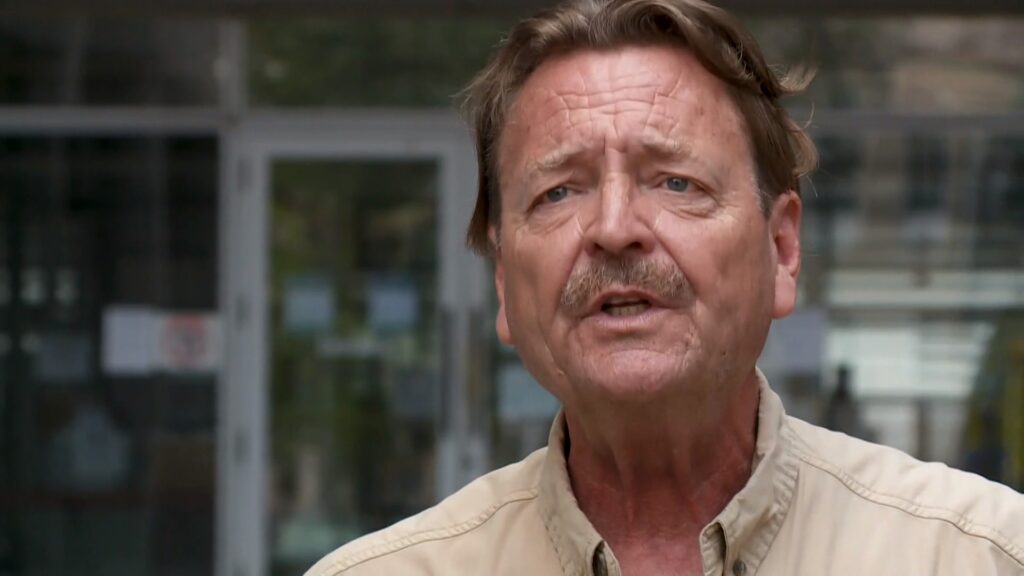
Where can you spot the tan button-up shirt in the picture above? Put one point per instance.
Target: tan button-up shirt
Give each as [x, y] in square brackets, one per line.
[817, 503]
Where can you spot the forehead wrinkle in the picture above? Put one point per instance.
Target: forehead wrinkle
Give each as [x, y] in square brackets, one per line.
[557, 108]
[654, 137]
[579, 105]
[568, 120]
[557, 123]
[599, 99]
[696, 117]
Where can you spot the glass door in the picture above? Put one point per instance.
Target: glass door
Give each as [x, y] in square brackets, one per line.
[361, 303]
[355, 360]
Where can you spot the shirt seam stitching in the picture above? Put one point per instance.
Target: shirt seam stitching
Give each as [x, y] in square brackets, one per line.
[397, 545]
[965, 525]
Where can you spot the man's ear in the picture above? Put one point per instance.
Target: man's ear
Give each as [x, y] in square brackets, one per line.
[501, 322]
[784, 226]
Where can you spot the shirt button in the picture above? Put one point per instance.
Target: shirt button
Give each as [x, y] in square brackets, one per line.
[739, 568]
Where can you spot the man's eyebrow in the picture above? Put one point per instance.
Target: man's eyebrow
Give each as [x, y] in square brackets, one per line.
[666, 147]
[659, 146]
[557, 158]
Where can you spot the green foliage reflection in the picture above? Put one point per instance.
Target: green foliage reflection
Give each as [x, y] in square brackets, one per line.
[394, 62]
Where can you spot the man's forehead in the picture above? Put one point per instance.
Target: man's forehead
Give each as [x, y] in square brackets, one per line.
[615, 75]
[667, 88]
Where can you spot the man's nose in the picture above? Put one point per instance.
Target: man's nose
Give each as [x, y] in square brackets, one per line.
[617, 227]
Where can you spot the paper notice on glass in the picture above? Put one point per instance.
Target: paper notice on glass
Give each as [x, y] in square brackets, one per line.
[130, 340]
[308, 304]
[394, 304]
[189, 342]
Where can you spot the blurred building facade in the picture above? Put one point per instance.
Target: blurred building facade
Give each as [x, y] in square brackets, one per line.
[238, 326]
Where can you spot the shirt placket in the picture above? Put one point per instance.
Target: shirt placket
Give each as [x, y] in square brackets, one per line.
[604, 562]
[712, 550]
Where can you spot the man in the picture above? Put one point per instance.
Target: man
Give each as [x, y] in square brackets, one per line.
[639, 196]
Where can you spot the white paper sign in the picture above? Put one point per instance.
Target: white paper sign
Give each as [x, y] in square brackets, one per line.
[129, 340]
[394, 304]
[308, 304]
[140, 341]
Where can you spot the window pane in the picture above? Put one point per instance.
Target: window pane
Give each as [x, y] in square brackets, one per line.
[910, 329]
[393, 62]
[932, 202]
[356, 353]
[108, 358]
[920, 63]
[108, 62]
[913, 64]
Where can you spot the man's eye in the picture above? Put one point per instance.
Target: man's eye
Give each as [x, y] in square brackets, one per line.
[677, 184]
[556, 194]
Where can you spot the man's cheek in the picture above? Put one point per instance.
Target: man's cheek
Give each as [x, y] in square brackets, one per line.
[522, 305]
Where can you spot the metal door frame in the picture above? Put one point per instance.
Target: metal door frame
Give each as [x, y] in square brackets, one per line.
[248, 153]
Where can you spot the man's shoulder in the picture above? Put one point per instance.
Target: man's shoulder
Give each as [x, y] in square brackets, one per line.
[414, 541]
[924, 492]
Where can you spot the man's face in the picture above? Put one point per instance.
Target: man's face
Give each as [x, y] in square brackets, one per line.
[635, 260]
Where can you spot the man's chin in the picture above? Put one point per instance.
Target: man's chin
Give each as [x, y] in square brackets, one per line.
[637, 382]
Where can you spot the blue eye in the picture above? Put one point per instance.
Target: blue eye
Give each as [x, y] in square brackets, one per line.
[677, 184]
[556, 194]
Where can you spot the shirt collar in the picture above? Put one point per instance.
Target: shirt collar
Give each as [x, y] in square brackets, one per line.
[749, 522]
[742, 532]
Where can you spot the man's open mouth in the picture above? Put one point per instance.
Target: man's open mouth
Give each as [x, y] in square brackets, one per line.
[625, 306]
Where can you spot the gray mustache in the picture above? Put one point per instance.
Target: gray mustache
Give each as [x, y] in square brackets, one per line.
[660, 279]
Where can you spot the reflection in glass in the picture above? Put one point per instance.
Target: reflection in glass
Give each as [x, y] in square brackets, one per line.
[893, 199]
[913, 247]
[908, 64]
[106, 445]
[421, 62]
[912, 64]
[355, 365]
[80, 60]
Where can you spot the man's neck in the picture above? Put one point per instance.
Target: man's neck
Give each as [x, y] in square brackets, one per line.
[650, 483]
